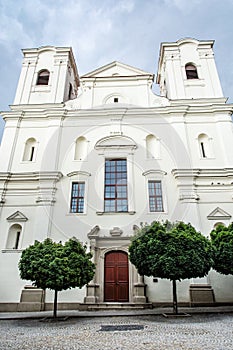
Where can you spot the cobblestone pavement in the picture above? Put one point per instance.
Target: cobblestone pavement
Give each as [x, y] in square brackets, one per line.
[198, 332]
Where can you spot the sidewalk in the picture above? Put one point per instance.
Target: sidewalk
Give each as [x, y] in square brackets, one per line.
[113, 313]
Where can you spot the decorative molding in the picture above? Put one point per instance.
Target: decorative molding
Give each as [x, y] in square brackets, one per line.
[78, 173]
[32, 176]
[46, 201]
[136, 229]
[17, 217]
[94, 232]
[154, 172]
[116, 231]
[115, 213]
[12, 250]
[132, 71]
[205, 173]
[191, 195]
[219, 214]
[116, 142]
[185, 172]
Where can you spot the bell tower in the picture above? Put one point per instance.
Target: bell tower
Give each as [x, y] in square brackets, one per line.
[49, 75]
[187, 70]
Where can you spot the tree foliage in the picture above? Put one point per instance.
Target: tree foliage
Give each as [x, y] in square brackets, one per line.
[222, 240]
[173, 251]
[56, 266]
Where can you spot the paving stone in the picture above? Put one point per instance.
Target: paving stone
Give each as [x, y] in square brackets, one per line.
[206, 332]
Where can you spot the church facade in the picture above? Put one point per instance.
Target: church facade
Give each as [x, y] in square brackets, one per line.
[95, 157]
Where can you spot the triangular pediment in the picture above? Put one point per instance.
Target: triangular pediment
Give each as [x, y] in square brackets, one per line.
[16, 217]
[219, 214]
[116, 69]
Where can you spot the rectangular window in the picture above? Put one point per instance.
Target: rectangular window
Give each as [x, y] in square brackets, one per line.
[77, 197]
[155, 196]
[115, 186]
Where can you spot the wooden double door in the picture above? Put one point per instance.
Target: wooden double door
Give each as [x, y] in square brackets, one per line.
[116, 277]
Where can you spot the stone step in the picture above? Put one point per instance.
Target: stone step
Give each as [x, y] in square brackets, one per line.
[116, 306]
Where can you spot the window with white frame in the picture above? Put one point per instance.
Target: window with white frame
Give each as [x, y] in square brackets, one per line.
[155, 196]
[77, 197]
[156, 190]
[115, 186]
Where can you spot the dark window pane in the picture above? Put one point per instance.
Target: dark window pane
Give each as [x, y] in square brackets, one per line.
[115, 185]
[191, 71]
[77, 197]
[155, 196]
[43, 78]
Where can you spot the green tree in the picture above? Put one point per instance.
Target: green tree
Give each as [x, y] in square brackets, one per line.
[222, 240]
[173, 251]
[56, 266]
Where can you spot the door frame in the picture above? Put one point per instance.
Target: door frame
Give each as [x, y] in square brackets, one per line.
[99, 246]
[114, 251]
[101, 272]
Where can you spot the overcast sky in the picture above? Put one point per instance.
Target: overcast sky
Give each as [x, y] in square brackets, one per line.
[102, 31]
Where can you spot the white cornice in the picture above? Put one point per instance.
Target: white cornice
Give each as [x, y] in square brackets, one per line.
[117, 78]
[29, 176]
[39, 107]
[58, 111]
[227, 172]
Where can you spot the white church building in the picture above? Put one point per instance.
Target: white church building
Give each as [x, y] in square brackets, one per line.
[97, 156]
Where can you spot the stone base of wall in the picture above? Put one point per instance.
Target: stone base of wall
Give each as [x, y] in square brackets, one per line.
[32, 299]
[63, 306]
[201, 295]
[9, 307]
[14, 307]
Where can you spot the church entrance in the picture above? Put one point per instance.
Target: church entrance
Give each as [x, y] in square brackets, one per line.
[116, 277]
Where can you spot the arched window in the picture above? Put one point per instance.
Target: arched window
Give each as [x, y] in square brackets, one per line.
[43, 77]
[217, 224]
[29, 150]
[204, 146]
[14, 236]
[80, 148]
[191, 71]
[152, 147]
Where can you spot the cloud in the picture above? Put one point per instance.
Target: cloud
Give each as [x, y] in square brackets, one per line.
[125, 6]
[102, 31]
[184, 5]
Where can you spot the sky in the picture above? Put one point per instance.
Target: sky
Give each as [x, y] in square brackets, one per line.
[129, 31]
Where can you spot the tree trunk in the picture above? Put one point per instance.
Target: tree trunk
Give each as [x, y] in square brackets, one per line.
[175, 307]
[55, 304]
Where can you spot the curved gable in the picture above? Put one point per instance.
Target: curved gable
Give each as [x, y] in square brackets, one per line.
[116, 142]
